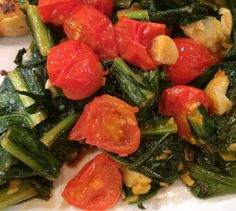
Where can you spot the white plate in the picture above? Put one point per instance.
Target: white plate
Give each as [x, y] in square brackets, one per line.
[175, 197]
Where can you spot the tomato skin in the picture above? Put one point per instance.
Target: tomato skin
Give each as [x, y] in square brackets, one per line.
[55, 11]
[99, 35]
[97, 186]
[114, 127]
[104, 6]
[179, 101]
[194, 59]
[74, 67]
[134, 40]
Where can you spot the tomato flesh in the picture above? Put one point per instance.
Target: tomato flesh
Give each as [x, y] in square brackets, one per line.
[178, 101]
[194, 59]
[97, 186]
[74, 67]
[89, 25]
[114, 126]
[55, 11]
[104, 6]
[134, 40]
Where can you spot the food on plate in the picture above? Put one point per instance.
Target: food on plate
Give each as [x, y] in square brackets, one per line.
[97, 186]
[193, 60]
[215, 38]
[114, 127]
[216, 90]
[150, 85]
[99, 35]
[55, 11]
[180, 101]
[12, 19]
[74, 67]
[132, 34]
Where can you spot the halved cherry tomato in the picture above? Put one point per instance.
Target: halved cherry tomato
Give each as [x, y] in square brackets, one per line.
[134, 40]
[55, 11]
[109, 123]
[97, 186]
[89, 25]
[74, 67]
[178, 101]
[194, 59]
[104, 6]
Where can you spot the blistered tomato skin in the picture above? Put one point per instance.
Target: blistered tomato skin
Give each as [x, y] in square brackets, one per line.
[55, 11]
[89, 25]
[97, 186]
[134, 40]
[74, 67]
[179, 101]
[104, 6]
[194, 59]
[114, 126]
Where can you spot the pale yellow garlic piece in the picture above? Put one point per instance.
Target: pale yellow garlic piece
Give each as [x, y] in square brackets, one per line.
[226, 21]
[164, 50]
[187, 179]
[212, 33]
[216, 90]
[139, 183]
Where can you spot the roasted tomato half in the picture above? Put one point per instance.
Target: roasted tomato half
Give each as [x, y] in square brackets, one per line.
[74, 67]
[194, 59]
[134, 39]
[108, 123]
[179, 101]
[55, 11]
[91, 26]
[104, 6]
[97, 186]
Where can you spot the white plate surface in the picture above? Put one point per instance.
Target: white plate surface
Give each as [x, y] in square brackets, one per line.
[175, 197]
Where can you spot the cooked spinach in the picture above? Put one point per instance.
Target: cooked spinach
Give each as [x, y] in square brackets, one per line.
[183, 15]
[147, 147]
[210, 181]
[6, 160]
[21, 190]
[12, 108]
[17, 171]
[163, 169]
[35, 122]
[23, 145]
[158, 125]
[203, 127]
[232, 53]
[132, 84]
[148, 160]
[226, 132]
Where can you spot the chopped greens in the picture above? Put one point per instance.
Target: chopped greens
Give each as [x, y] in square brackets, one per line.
[36, 118]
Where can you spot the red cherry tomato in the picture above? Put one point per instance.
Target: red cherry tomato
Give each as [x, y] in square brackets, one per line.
[104, 6]
[89, 25]
[109, 123]
[194, 59]
[97, 186]
[74, 67]
[55, 11]
[134, 40]
[178, 101]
